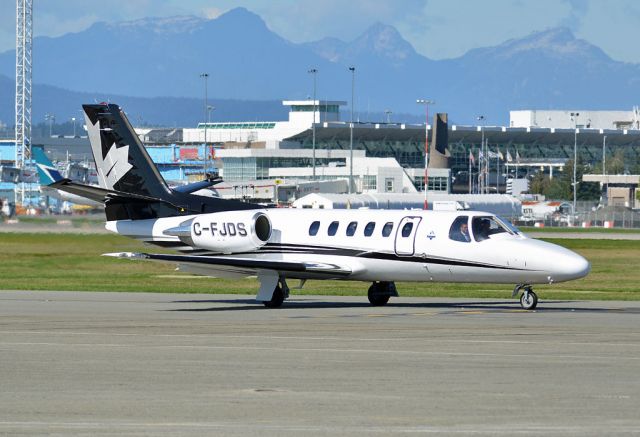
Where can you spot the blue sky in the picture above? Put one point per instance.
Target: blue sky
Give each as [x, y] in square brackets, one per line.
[438, 29]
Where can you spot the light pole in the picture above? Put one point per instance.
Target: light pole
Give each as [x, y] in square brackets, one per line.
[604, 155]
[426, 103]
[206, 146]
[574, 118]
[353, 83]
[388, 113]
[73, 119]
[604, 167]
[483, 185]
[314, 71]
[205, 76]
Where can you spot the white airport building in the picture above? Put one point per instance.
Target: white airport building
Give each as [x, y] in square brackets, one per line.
[570, 119]
[265, 150]
[267, 134]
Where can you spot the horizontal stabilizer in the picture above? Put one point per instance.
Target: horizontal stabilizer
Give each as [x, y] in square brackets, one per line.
[100, 194]
[197, 186]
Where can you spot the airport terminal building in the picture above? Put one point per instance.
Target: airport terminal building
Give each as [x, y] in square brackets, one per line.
[387, 157]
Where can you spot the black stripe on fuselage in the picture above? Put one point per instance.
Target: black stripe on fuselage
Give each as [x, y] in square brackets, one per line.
[276, 248]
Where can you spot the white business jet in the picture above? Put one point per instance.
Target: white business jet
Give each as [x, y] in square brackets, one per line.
[226, 238]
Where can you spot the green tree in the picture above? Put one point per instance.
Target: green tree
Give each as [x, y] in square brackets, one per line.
[561, 186]
[539, 183]
[586, 190]
[615, 163]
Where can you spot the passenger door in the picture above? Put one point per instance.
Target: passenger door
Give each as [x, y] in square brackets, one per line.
[405, 244]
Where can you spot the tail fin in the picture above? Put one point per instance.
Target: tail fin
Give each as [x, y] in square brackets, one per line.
[131, 184]
[47, 173]
[122, 162]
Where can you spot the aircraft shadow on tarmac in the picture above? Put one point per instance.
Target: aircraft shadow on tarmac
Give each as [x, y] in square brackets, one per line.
[292, 304]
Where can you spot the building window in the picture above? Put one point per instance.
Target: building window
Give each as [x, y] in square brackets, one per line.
[368, 230]
[386, 230]
[333, 228]
[351, 229]
[388, 185]
[438, 184]
[313, 229]
[369, 182]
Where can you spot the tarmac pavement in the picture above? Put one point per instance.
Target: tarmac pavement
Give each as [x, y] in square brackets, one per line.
[80, 363]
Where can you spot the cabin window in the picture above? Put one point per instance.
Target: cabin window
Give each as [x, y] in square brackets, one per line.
[351, 228]
[333, 228]
[459, 230]
[313, 229]
[386, 230]
[485, 227]
[368, 230]
[406, 229]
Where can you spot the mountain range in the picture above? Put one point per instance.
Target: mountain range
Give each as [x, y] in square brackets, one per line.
[157, 62]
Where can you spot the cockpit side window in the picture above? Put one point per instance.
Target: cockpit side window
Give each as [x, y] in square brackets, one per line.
[459, 230]
[485, 227]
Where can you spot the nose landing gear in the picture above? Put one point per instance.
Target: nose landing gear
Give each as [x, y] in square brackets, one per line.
[529, 299]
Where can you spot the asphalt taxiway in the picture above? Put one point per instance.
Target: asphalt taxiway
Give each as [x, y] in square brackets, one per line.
[175, 364]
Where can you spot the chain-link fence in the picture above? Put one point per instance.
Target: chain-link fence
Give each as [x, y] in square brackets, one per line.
[588, 214]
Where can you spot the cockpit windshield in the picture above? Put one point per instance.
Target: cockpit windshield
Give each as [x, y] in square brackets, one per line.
[487, 226]
[513, 228]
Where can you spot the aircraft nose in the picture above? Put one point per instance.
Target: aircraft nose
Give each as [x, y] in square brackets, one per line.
[570, 266]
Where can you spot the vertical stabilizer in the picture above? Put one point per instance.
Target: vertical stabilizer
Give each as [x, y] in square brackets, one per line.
[132, 186]
[122, 162]
[47, 173]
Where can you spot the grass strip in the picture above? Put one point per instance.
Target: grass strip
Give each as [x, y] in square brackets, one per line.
[72, 262]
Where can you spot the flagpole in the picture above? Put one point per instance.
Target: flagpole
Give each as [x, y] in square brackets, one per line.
[480, 167]
[487, 161]
[469, 158]
[507, 172]
[497, 170]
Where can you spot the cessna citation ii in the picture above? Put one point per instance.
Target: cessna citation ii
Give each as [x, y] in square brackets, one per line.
[228, 238]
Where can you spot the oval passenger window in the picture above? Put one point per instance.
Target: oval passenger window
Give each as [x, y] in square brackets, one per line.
[313, 229]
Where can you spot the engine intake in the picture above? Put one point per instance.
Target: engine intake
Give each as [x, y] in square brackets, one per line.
[231, 232]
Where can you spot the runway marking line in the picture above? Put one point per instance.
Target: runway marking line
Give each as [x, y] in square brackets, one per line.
[297, 337]
[510, 429]
[338, 350]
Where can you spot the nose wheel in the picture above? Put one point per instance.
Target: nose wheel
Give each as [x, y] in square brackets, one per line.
[528, 299]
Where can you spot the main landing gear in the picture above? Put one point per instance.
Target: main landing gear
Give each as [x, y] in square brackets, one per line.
[529, 299]
[280, 293]
[380, 292]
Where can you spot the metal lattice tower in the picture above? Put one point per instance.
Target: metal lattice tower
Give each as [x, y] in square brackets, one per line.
[24, 45]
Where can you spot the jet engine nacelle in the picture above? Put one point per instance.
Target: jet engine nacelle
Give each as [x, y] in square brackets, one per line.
[231, 232]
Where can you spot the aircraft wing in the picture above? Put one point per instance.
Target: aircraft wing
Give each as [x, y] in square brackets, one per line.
[245, 266]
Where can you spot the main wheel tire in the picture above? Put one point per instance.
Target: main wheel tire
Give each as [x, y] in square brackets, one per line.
[276, 299]
[378, 300]
[376, 295]
[529, 301]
